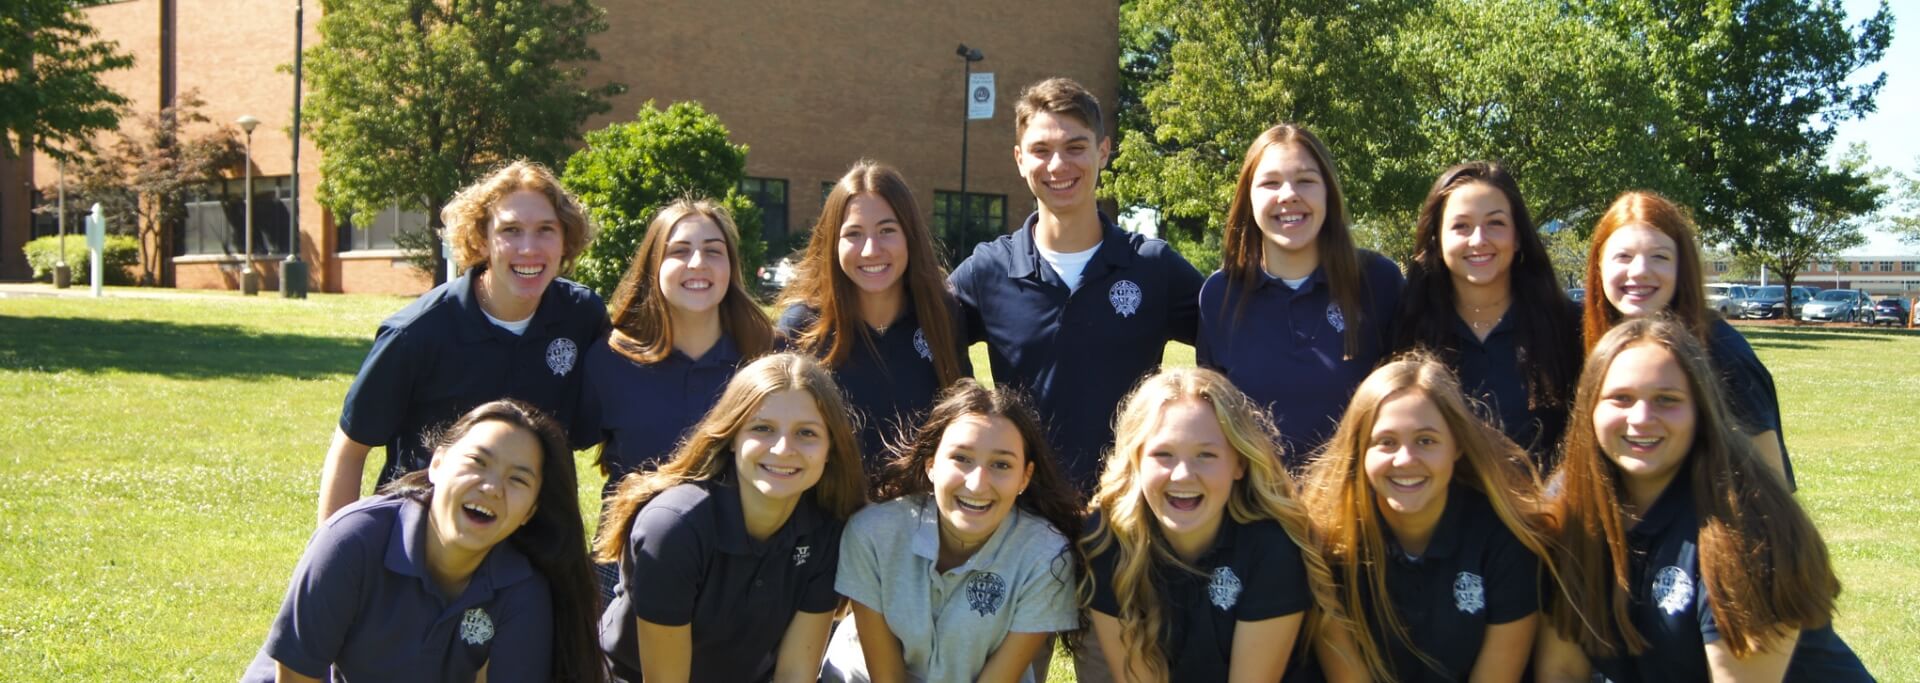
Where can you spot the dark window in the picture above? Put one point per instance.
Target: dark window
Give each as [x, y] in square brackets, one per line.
[826, 188]
[770, 194]
[379, 233]
[1886, 266]
[1909, 266]
[1719, 266]
[216, 218]
[958, 229]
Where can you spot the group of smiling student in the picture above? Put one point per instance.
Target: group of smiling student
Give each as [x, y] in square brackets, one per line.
[1455, 475]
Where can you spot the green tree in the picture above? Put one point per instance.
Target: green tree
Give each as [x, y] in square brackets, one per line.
[1819, 228]
[414, 99]
[629, 170]
[144, 178]
[1756, 87]
[51, 97]
[1904, 202]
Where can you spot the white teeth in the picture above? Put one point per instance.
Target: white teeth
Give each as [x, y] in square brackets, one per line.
[1407, 481]
[1292, 218]
[1183, 496]
[697, 284]
[1060, 184]
[529, 270]
[974, 502]
[482, 509]
[783, 471]
[1644, 440]
[1480, 258]
[877, 269]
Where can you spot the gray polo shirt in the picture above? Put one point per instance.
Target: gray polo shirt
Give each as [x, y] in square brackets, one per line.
[948, 623]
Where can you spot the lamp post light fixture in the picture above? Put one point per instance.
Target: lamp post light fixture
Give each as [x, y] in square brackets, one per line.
[249, 278]
[968, 56]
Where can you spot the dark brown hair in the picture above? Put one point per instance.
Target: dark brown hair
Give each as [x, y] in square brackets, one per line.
[821, 284]
[1689, 304]
[640, 312]
[1542, 315]
[1243, 245]
[1762, 562]
[1059, 97]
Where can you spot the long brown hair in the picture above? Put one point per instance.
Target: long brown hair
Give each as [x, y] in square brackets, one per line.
[1243, 244]
[640, 311]
[1266, 492]
[818, 281]
[550, 538]
[1341, 502]
[1762, 562]
[1689, 304]
[1542, 315]
[707, 452]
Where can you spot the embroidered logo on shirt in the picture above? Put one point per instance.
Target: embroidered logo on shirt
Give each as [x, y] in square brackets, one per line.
[476, 628]
[1125, 297]
[985, 592]
[1335, 318]
[560, 356]
[920, 344]
[1469, 593]
[1224, 591]
[1672, 589]
[800, 555]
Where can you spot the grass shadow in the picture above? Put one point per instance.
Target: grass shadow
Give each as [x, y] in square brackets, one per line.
[1803, 338]
[54, 344]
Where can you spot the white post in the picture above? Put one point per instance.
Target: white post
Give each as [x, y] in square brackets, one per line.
[96, 241]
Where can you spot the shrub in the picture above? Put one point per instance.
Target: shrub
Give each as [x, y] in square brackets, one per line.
[629, 170]
[117, 259]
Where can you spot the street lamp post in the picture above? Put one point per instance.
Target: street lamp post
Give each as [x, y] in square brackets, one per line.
[249, 277]
[62, 273]
[967, 57]
[293, 271]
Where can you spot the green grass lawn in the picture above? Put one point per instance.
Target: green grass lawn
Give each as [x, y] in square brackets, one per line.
[159, 461]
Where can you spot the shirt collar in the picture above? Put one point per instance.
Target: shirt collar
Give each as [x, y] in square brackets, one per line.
[1446, 536]
[1316, 280]
[1113, 250]
[1465, 332]
[474, 325]
[723, 354]
[732, 520]
[407, 556]
[926, 536]
[1674, 504]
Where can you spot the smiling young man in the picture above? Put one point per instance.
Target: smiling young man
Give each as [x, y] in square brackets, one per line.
[1073, 309]
[509, 327]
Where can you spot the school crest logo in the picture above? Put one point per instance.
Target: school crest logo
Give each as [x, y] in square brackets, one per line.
[1125, 297]
[1469, 593]
[560, 355]
[800, 554]
[1672, 589]
[1224, 590]
[476, 628]
[985, 592]
[1336, 318]
[920, 344]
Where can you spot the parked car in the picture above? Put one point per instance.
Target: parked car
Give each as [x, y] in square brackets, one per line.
[1728, 299]
[1891, 311]
[1577, 294]
[1839, 306]
[1772, 301]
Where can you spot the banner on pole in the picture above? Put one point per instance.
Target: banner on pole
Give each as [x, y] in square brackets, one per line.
[980, 96]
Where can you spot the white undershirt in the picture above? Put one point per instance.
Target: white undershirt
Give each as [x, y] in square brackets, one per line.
[1295, 284]
[1070, 265]
[517, 327]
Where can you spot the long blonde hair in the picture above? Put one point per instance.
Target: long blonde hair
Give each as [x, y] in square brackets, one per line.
[1341, 501]
[1266, 492]
[707, 452]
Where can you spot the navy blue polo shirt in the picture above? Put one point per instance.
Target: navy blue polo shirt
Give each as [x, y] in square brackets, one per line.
[1473, 575]
[642, 410]
[362, 607]
[1077, 352]
[1670, 606]
[439, 357]
[1748, 384]
[1491, 374]
[891, 381]
[1252, 573]
[1286, 348]
[689, 561]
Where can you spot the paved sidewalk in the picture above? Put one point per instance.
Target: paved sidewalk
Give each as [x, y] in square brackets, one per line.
[40, 289]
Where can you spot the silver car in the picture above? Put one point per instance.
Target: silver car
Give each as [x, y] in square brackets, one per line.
[1839, 306]
[1728, 299]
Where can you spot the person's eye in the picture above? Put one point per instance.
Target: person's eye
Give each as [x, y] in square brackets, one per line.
[1306, 181]
[809, 432]
[1386, 444]
[1669, 400]
[1208, 455]
[761, 429]
[1002, 465]
[1160, 455]
[522, 482]
[1428, 441]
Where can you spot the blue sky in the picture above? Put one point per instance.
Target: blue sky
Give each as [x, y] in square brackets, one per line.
[1889, 132]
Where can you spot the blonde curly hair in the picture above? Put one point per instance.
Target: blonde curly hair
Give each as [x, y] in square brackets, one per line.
[469, 215]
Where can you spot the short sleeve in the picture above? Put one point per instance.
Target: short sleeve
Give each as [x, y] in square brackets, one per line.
[1209, 311]
[818, 595]
[1750, 390]
[1512, 581]
[1183, 308]
[585, 431]
[665, 555]
[794, 321]
[1703, 606]
[965, 297]
[1386, 282]
[523, 641]
[1101, 568]
[1275, 583]
[858, 575]
[321, 603]
[1045, 602]
[376, 402]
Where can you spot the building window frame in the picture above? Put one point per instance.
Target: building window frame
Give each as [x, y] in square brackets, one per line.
[988, 220]
[215, 218]
[770, 195]
[381, 236]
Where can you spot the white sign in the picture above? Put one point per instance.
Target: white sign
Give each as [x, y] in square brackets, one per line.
[980, 96]
[96, 242]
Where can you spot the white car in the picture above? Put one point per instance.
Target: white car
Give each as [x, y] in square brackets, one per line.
[1728, 299]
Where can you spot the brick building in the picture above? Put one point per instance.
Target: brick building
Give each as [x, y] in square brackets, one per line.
[809, 89]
